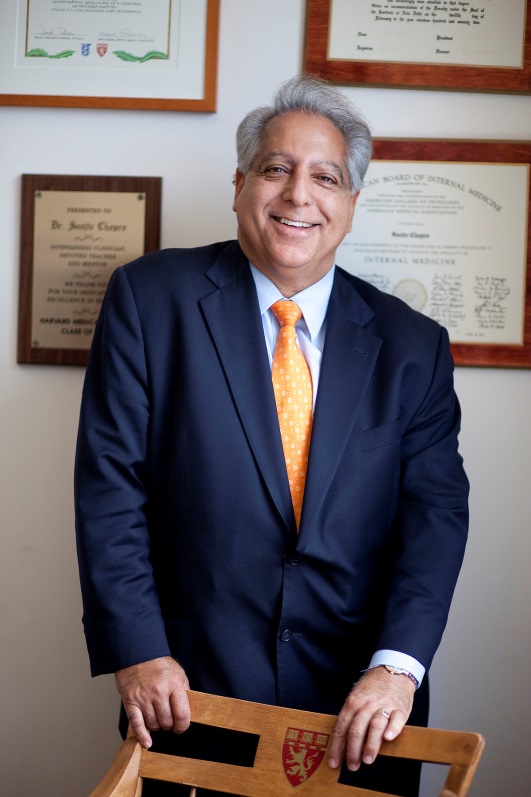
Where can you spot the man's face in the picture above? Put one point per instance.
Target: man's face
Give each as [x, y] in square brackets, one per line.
[294, 206]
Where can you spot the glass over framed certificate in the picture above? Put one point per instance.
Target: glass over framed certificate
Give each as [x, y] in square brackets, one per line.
[152, 54]
[445, 226]
[481, 45]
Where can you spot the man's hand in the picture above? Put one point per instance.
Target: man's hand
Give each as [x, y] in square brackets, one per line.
[361, 726]
[154, 697]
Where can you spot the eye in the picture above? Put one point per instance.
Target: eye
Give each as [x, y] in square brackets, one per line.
[326, 179]
[275, 170]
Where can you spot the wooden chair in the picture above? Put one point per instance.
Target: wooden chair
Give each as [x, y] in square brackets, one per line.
[291, 753]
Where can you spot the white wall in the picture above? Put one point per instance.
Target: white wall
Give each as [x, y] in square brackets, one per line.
[52, 715]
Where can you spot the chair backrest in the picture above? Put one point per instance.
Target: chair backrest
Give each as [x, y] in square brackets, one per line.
[291, 748]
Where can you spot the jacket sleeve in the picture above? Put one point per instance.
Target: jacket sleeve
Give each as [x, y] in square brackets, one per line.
[121, 613]
[432, 518]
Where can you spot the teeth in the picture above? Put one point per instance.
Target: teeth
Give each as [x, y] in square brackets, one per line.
[294, 223]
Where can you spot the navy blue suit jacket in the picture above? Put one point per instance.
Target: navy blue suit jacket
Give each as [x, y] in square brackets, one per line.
[187, 541]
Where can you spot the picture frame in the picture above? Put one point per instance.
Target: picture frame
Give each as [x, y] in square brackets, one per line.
[75, 230]
[58, 56]
[372, 44]
[446, 226]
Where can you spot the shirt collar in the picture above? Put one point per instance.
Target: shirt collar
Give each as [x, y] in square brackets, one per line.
[313, 301]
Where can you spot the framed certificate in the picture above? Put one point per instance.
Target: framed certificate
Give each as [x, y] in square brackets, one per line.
[448, 44]
[445, 226]
[147, 54]
[75, 231]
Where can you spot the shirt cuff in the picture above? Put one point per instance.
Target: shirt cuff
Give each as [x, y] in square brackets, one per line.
[401, 660]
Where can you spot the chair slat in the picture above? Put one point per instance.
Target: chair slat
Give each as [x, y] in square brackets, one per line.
[278, 727]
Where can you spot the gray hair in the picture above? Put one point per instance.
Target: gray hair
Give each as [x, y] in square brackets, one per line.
[312, 96]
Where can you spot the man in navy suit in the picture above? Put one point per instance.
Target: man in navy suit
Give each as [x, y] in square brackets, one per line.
[193, 570]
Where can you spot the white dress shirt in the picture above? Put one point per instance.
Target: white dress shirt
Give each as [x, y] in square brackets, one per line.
[311, 331]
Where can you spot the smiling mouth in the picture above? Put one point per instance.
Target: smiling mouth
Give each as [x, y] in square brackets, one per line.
[290, 223]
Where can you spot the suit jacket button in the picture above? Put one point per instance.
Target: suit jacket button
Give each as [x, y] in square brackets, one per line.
[296, 559]
[286, 635]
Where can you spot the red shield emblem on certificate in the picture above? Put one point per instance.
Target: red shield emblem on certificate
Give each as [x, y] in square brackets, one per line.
[101, 49]
[302, 753]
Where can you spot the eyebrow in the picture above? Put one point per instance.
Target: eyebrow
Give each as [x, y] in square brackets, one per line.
[277, 153]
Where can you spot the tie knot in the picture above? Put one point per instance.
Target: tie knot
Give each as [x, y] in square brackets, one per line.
[287, 312]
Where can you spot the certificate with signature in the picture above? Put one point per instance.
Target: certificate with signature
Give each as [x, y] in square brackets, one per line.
[474, 32]
[482, 45]
[110, 53]
[449, 238]
[101, 35]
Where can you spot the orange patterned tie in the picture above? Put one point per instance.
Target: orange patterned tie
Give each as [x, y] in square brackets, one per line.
[292, 383]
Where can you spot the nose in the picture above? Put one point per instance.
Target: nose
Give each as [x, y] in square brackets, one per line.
[297, 189]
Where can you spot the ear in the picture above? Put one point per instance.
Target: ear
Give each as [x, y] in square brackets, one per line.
[239, 182]
[353, 200]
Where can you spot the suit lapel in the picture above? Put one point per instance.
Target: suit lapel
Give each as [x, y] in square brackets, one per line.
[349, 358]
[233, 317]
